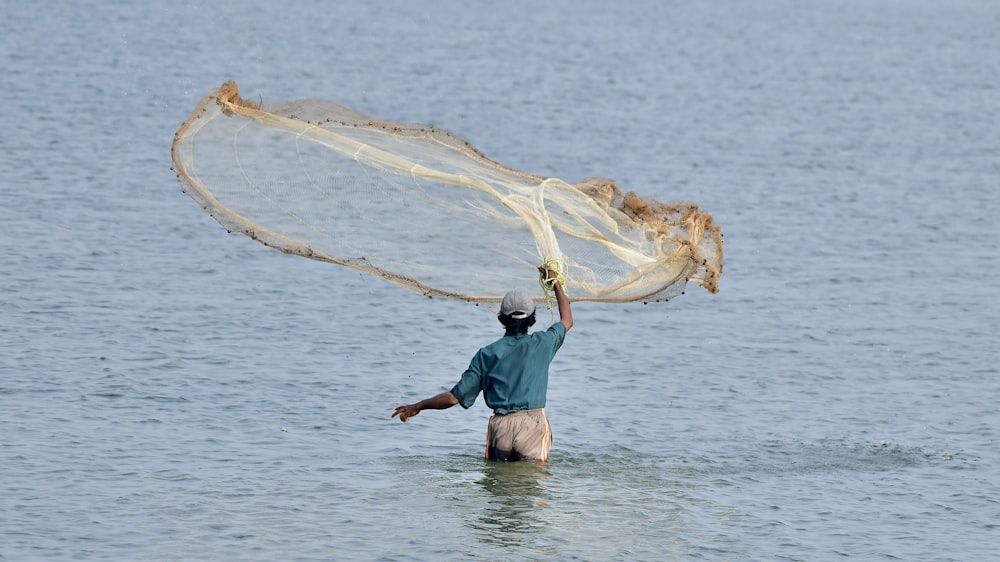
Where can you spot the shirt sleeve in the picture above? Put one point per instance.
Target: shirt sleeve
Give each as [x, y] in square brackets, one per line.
[558, 331]
[468, 387]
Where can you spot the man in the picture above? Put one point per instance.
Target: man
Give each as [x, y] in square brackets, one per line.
[513, 375]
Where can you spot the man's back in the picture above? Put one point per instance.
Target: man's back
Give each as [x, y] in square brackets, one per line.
[512, 372]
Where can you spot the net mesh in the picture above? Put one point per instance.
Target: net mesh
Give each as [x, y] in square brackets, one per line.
[422, 208]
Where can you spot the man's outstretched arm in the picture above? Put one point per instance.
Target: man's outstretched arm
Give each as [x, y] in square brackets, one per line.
[565, 311]
[442, 401]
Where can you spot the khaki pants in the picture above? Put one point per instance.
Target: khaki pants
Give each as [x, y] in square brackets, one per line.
[519, 436]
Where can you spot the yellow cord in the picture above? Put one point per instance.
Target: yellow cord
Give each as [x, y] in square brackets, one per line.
[548, 283]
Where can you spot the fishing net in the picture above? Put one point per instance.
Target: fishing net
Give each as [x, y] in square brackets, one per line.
[422, 208]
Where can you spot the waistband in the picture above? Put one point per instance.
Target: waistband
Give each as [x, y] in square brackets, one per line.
[532, 411]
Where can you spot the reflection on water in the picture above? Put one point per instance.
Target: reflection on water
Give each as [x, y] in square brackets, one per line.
[515, 497]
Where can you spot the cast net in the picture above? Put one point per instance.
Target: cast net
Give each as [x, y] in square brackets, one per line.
[422, 208]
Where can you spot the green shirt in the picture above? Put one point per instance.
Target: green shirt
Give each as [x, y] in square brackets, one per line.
[512, 372]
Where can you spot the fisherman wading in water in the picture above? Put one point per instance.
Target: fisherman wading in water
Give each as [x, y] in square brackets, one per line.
[513, 375]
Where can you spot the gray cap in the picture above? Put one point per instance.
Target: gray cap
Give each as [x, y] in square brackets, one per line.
[517, 304]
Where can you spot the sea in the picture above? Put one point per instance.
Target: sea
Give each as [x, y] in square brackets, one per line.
[169, 391]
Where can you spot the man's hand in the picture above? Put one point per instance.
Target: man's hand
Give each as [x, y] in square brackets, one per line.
[565, 311]
[549, 274]
[406, 412]
[442, 401]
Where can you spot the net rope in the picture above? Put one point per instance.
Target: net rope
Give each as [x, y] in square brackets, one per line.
[422, 208]
[548, 282]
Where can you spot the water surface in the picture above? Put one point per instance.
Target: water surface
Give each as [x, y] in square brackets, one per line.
[171, 392]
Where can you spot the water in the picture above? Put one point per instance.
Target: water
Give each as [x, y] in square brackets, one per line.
[170, 392]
